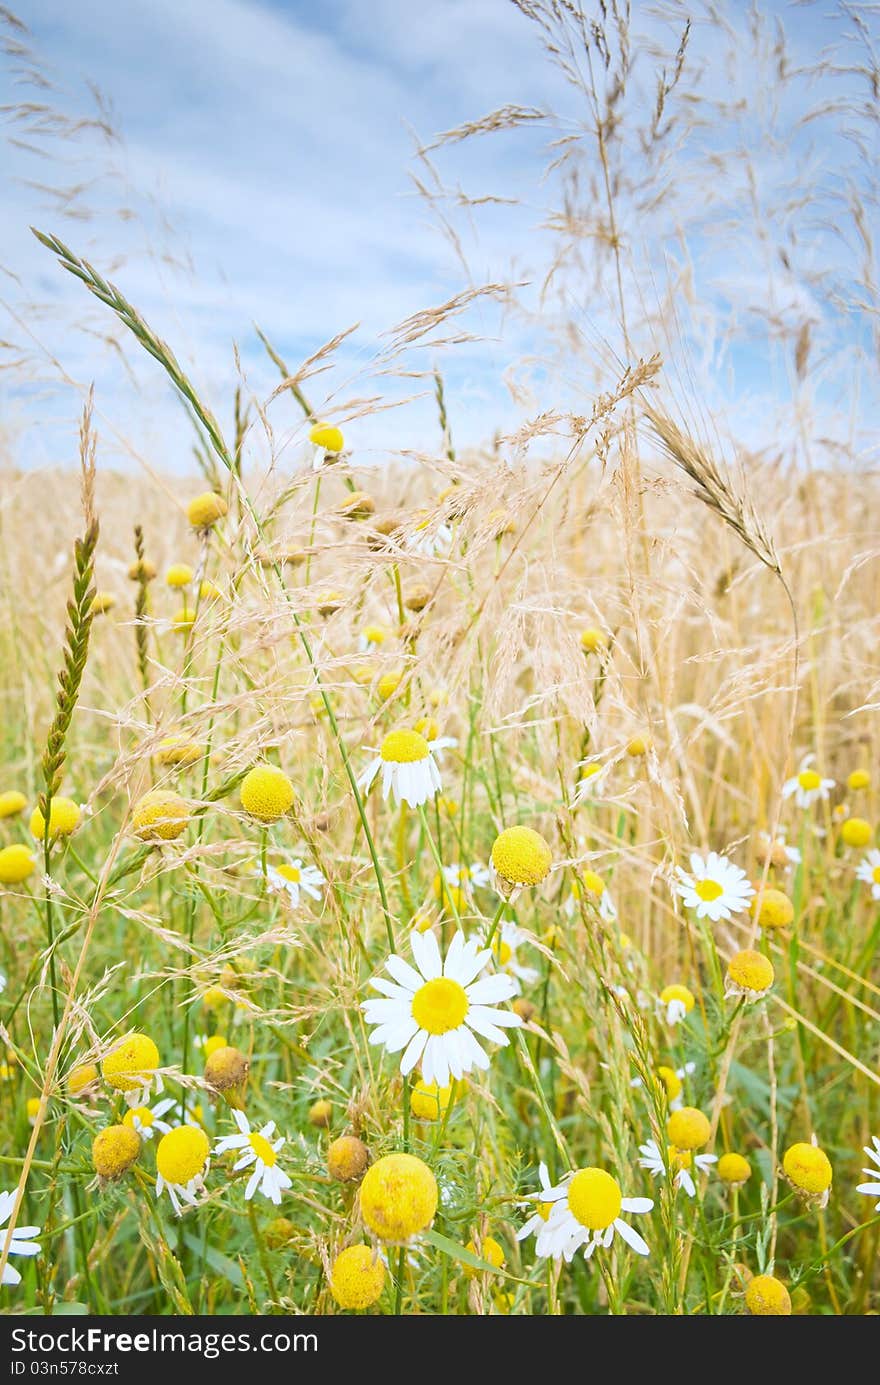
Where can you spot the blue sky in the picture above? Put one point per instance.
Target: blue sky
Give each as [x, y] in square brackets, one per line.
[266, 155]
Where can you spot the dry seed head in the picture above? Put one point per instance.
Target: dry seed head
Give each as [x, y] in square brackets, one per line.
[520, 856]
[772, 909]
[416, 597]
[347, 1159]
[279, 1232]
[357, 505]
[320, 1113]
[182, 1154]
[749, 975]
[398, 1197]
[114, 1150]
[102, 603]
[808, 1169]
[142, 570]
[160, 816]
[767, 1297]
[688, 1129]
[131, 1063]
[856, 832]
[357, 1277]
[734, 1169]
[226, 1072]
[204, 510]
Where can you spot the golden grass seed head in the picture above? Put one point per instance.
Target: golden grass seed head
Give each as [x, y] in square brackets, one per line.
[266, 793]
[767, 1296]
[521, 856]
[114, 1150]
[808, 1169]
[688, 1128]
[160, 816]
[64, 818]
[12, 802]
[357, 1277]
[131, 1063]
[734, 1169]
[856, 832]
[182, 1154]
[320, 1112]
[347, 1159]
[16, 864]
[489, 1250]
[204, 510]
[772, 909]
[398, 1197]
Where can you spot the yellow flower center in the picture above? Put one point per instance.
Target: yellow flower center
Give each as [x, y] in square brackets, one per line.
[809, 779]
[708, 890]
[503, 951]
[678, 1158]
[291, 873]
[876, 875]
[544, 1209]
[404, 747]
[594, 1198]
[593, 883]
[142, 1114]
[263, 1150]
[439, 1005]
[182, 1154]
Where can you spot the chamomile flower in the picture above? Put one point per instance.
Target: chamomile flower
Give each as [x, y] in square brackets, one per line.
[596, 891]
[429, 727]
[808, 785]
[714, 887]
[257, 1149]
[182, 1160]
[293, 877]
[586, 1212]
[459, 883]
[147, 1120]
[872, 1189]
[508, 939]
[372, 637]
[678, 1164]
[542, 1207]
[429, 539]
[408, 768]
[676, 1002]
[328, 442]
[869, 872]
[434, 1014]
[778, 851]
[22, 1241]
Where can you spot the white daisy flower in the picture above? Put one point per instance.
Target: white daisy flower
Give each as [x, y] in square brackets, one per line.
[595, 889]
[872, 1189]
[259, 1150]
[435, 1013]
[430, 542]
[507, 940]
[464, 878]
[22, 1242]
[586, 1212]
[2, 983]
[542, 1208]
[807, 785]
[715, 888]
[291, 878]
[869, 871]
[146, 1120]
[408, 768]
[777, 847]
[680, 1164]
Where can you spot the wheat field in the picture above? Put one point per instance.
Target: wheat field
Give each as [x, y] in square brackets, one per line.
[449, 885]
